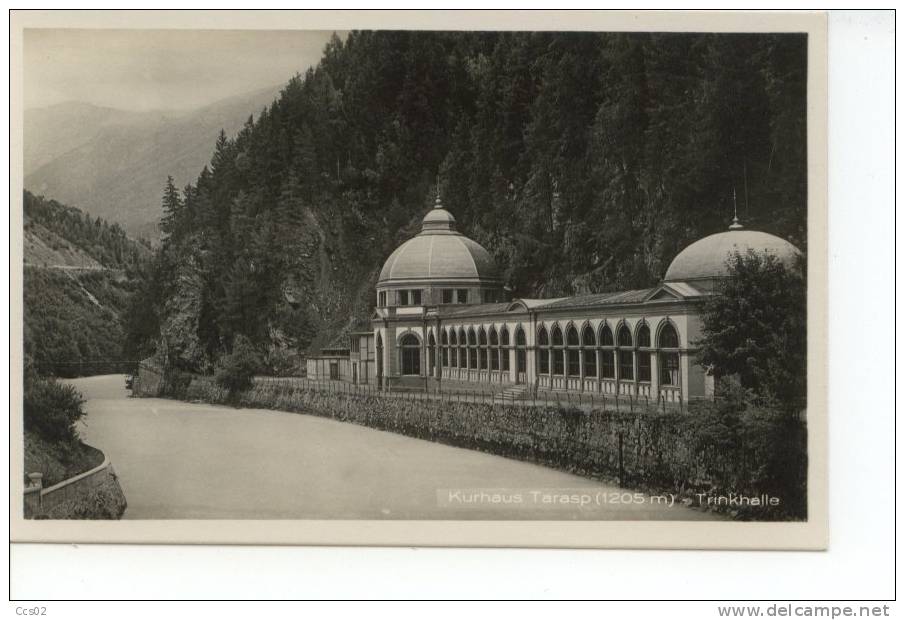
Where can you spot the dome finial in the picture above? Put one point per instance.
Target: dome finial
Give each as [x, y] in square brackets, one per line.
[735, 223]
[437, 203]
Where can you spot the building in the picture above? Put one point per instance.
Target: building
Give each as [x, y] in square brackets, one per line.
[443, 320]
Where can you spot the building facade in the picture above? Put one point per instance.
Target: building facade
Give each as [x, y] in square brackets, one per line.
[444, 320]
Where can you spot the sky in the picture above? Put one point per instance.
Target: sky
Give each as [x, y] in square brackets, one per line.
[160, 69]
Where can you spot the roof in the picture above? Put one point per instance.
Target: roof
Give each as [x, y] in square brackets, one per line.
[637, 296]
[707, 258]
[600, 299]
[682, 288]
[432, 256]
[439, 252]
[473, 310]
[536, 303]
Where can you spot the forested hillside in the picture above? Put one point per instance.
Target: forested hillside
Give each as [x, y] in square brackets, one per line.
[80, 274]
[53, 227]
[582, 161]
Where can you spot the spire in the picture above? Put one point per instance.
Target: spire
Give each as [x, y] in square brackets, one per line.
[735, 223]
[437, 203]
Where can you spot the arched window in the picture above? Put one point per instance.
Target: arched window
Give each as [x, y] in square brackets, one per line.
[625, 336]
[644, 355]
[431, 353]
[590, 353]
[626, 355]
[463, 349]
[644, 336]
[411, 355]
[558, 362]
[606, 336]
[574, 355]
[444, 349]
[494, 350]
[453, 349]
[504, 349]
[608, 354]
[521, 357]
[543, 351]
[482, 350]
[472, 349]
[669, 338]
[669, 360]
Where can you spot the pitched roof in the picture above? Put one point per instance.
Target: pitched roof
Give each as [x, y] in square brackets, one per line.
[599, 299]
[473, 309]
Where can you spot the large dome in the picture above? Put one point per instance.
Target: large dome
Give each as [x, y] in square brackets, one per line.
[439, 253]
[707, 258]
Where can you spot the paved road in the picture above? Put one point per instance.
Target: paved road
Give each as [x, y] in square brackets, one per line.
[192, 461]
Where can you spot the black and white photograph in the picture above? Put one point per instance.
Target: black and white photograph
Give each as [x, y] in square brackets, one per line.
[404, 276]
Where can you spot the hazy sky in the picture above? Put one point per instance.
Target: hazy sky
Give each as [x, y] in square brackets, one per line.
[160, 69]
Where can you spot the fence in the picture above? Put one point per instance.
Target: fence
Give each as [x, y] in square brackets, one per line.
[82, 368]
[494, 398]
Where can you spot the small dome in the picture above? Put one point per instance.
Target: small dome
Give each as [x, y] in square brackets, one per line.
[439, 252]
[438, 218]
[707, 258]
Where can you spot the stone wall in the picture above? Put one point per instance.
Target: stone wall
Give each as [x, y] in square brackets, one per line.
[712, 451]
[94, 494]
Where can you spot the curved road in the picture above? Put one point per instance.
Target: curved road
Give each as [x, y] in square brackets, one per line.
[179, 460]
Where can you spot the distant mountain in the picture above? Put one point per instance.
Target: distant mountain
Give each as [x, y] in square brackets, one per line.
[114, 163]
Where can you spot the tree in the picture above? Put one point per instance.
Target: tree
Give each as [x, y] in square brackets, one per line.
[236, 370]
[170, 223]
[755, 327]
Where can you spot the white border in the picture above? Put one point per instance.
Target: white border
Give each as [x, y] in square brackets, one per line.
[858, 564]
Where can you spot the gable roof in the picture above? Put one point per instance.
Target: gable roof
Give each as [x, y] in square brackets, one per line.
[673, 291]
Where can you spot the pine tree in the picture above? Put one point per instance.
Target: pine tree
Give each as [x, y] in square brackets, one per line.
[171, 223]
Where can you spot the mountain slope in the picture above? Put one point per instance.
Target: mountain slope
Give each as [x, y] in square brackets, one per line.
[45, 248]
[55, 130]
[114, 163]
[79, 278]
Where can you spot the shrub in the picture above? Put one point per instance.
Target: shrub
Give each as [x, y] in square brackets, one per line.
[176, 382]
[281, 362]
[235, 372]
[780, 442]
[51, 408]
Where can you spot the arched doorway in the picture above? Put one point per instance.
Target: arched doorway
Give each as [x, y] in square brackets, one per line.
[410, 350]
[521, 356]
